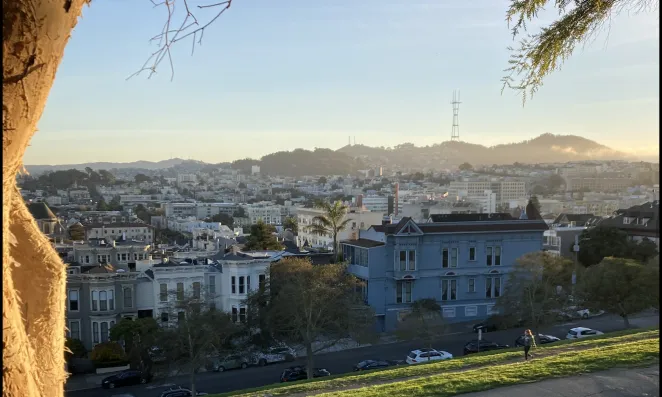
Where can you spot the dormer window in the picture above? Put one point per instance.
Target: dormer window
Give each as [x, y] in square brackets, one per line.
[627, 220]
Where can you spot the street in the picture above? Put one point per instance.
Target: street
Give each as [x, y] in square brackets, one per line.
[343, 361]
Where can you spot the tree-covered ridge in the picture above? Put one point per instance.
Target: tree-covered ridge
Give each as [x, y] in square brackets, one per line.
[300, 162]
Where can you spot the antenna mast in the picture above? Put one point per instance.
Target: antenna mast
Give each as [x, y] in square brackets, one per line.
[455, 132]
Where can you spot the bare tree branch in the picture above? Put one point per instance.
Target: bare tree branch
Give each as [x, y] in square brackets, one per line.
[190, 27]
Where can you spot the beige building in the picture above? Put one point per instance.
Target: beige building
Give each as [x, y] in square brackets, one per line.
[360, 220]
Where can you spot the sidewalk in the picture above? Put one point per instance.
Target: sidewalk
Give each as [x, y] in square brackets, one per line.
[613, 383]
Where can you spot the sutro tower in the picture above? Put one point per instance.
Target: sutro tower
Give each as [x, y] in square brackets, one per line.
[455, 132]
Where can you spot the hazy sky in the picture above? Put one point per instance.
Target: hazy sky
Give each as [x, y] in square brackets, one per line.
[276, 75]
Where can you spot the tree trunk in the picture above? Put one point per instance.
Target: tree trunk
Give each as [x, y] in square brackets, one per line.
[335, 248]
[626, 320]
[34, 36]
[310, 360]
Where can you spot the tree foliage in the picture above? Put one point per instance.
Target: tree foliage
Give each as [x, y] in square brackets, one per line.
[303, 304]
[140, 178]
[600, 242]
[77, 232]
[107, 352]
[465, 167]
[138, 337]
[331, 222]
[224, 219]
[74, 349]
[620, 286]
[262, 238]
[424, 322]
[538, 288]
[291, 223]
[542, 53]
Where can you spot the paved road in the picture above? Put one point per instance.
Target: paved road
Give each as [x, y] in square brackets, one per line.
[613, 383]
[343, 361]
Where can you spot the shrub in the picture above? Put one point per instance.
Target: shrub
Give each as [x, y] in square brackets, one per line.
[75, 349]
[107, 352]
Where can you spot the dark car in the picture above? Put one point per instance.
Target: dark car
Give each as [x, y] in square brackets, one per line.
[542, 339]
[483, 345]
[374, 364]
[125, 378]
[178, 391]
[496, 323]
[299, 373]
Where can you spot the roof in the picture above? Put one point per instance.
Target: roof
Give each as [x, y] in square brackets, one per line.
[101, 269]
[363, 243]
[579, 219]
[116, 225]
[648, 210]
[469, 227]
[41, 211]
[438, 218]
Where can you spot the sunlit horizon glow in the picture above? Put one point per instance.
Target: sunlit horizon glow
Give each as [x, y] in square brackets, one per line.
[380, 71]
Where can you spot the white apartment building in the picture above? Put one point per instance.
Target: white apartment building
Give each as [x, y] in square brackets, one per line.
[379, 204]
[187, 178]
[134, 198]
[120, 231]
[506, 191]
[189, 224]
[197, 210]
[119, 254]
[265, 211]
[360, 220]
[510, 190]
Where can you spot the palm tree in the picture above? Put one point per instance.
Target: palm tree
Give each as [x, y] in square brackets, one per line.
[331, 222]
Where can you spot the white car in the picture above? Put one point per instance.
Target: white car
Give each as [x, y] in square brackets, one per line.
[582, 332]
[275, 354]
[586, 313]
[425, 355]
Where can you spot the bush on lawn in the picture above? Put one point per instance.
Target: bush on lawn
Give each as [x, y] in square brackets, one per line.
[74, 349]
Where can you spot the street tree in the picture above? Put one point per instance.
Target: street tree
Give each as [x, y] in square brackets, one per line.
[262, 238]
[77, 232]
[620, 286]
[331, 222]
[195, 330]
[424, 322]
[601, 242]
[314, 306]
[536, 204]
[140, 178]
[542, 53]
[138, 337]
[538, 288]
[465, 167]
[322, 180]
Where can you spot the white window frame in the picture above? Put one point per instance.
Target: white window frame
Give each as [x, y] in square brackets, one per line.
[449, 283]
[69, 291]
[494, 255]
[489, 252]
[448, 312]
[469, 289]
[403, 290]
[69, 328]
[452, 263]
[161, 295]
[109, 323]
[408, 267]
[468, 313]
[212, 285]
[474, 250]
[124, 289]
[110, 291]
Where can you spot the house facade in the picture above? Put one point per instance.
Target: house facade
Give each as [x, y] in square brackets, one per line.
[120, 231]
[463, 265]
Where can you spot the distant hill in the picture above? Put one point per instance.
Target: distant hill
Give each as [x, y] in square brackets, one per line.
[547, 148]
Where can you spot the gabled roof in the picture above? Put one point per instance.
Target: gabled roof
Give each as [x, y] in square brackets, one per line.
[363, 243]
[40, 211]
[407, 226]
[438, 218]
[579, 219]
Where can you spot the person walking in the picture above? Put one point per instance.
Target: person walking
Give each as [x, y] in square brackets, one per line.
[528, 340]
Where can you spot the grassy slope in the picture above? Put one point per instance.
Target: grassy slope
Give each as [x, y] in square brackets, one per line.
[354, 380]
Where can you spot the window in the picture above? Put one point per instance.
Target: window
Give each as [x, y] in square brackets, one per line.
[488, 287]
[248, 283]
[241, 285]
[472, 253]
[128, 297]
[472, 285]
[180, 291]
[74, 329]
[470, 311]
[403, 260]
[111, 300]
[444, 257]
[104, 332]
[234, 284]
[95, 332]
[164, 317]
[242, 315]
[412, 260]
[196, 290]
[497, 256]
[403, 293]
[262, 280]
[448, 290]
[493, 287]
[212, 284]
[234, 314]
[124, 257]
[489, 256]
[163, 295]
[453, 257]
[95, 301]
[448, 312]
[181, 317]
[103, 300]
[118, 257]
[73, 300]
[497, 287]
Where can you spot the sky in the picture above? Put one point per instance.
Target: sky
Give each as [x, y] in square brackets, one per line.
[278, 75]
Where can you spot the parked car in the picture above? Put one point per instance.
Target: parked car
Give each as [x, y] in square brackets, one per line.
[275, 355]
[374, 364]
[299, 373]
[233, 361]
[542, 339]
[497, 322]
[178, 391]
[425, 355]
[483, 345]
[125, 378]
[582, 332]
[586, 313]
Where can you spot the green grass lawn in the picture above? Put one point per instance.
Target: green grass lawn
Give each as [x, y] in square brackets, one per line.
[640, 353]
[473, 361]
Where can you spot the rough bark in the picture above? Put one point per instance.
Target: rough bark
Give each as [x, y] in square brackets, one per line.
[310, 360]
[35, 33]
